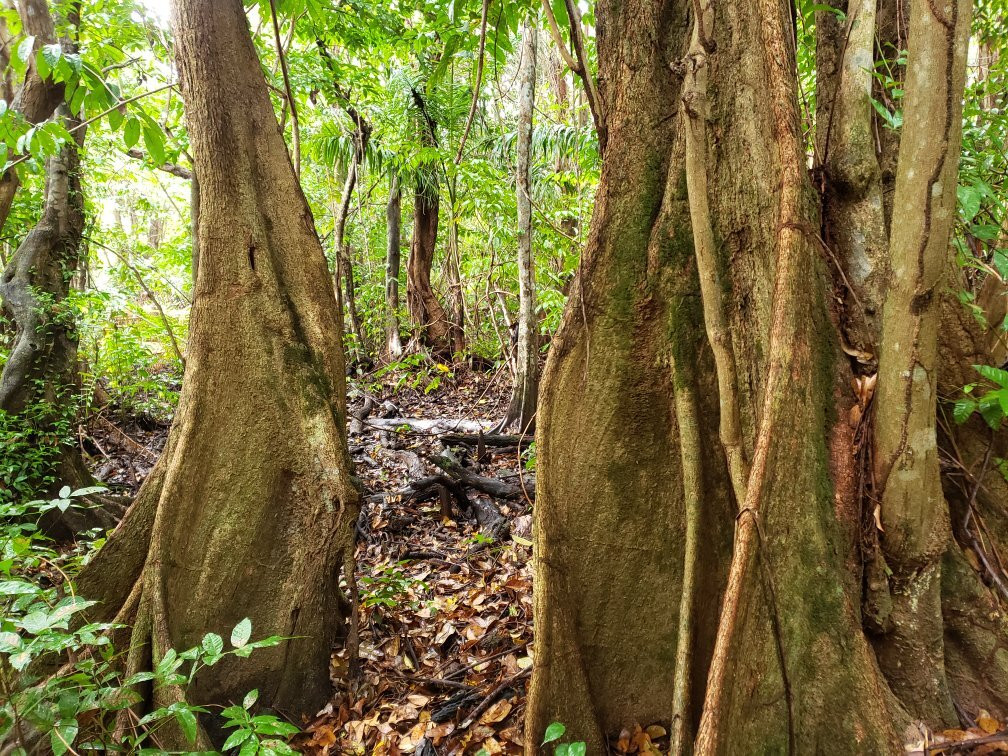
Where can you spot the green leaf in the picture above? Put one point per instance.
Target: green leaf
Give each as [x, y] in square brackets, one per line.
[187, 721]
[212, 646]
[16, 588]
[23, 53]
[250, 747]
[962, 410]
[993, 374]
[154, 142]
[250, 698]
[241, 633]
[577, 749]
[64, 492]
[63, 736]
[131, 134]
[554, 732]
[236, 738]
[990, 410]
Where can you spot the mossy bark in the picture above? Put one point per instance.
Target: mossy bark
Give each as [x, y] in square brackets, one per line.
[250, 512]
[801, 675]
[41, 379]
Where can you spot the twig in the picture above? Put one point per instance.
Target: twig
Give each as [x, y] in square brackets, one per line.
[479, 80]
[92, 119]
[494, 695]
[287, 86]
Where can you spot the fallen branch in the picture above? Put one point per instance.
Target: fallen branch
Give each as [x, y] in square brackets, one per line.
[433, 427]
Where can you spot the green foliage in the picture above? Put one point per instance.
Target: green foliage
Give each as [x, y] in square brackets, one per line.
[390, 587]
[43, 621]
[554, 732]
[992, 404]
[30, 448]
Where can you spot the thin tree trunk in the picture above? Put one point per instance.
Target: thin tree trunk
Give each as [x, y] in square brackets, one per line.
[428, 316]
[345, 264]
[251, 509]
[525, 389]
[393, 254]
[907, 479]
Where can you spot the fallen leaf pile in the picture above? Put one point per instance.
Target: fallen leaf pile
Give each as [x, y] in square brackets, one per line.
[445, 620]
[984, 736]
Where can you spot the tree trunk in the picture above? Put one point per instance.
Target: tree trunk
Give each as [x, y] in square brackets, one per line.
[38, 98]
[250, 511]
[907, 479]
[40, 380]
[344, 268]
[393, 252]
[433, 326]
[623, 471]
[525, 389]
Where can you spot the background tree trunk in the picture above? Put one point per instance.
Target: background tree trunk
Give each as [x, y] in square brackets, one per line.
[38, 98]
[525, 389]
[251, 509]
[41, 373]
[344, 266]
[428, 316]
[393, 217]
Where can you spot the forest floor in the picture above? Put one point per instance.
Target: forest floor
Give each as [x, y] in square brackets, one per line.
[439, 652]
[444, 625]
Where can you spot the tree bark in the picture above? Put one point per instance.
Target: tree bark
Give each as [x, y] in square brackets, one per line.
[433, 326]
[38, 98]
[344, 267]
[907, 479]
[251, 509]
[616, 457]
[41, 372]
[393, 253]
[525, 389]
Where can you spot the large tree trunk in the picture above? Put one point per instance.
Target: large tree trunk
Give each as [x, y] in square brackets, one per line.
[525, 390]
[38, 98]
[629, 412]
[393, 255]
[250, 511]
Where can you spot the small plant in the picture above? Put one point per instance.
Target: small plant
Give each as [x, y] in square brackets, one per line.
[556, 731]
[75, 709]
[391, 587]
[255, 733]
[992, 404]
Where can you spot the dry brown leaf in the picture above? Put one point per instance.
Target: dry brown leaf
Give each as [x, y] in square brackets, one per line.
[496, 713]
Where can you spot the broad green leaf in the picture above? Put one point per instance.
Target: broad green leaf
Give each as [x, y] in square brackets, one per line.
[235, 739]
[554, 732]
[187, 721]
[212, 646]
[250, 698]
[241, 633]
[154, 142]
[993, 374]
[963, 409]
[131, 134]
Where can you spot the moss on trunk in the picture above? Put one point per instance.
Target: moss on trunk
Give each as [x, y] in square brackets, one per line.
[250, 512]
